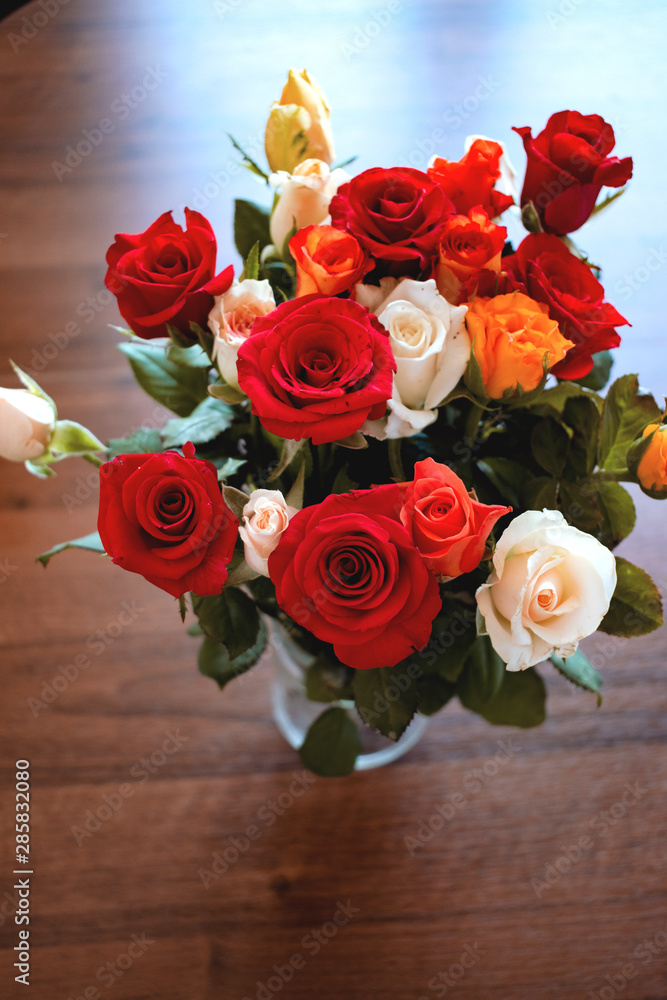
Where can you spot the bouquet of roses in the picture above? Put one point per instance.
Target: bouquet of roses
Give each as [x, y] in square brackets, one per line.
[388, 435]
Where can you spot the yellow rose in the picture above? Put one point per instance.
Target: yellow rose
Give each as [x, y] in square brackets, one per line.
[510, 335]
[652, 468]
[298, 127]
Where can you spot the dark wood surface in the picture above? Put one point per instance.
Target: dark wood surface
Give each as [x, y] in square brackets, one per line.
[469, 890]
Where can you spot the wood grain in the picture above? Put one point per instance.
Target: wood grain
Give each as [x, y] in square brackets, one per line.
[399, 82]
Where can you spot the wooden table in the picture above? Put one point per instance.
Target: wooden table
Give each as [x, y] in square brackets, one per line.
[461, 915]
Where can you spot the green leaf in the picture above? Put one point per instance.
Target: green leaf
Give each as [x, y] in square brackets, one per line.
[507, 476]
[386, 699]
[452, 634]
[295, 496]
[575, 501]
[70, 438]
[540, 493]
[626, 413]
[175, 386]
[290, 450]
[248, 161]
[332, 744]
[178, 337]
[205, 338]
[636, 607]
[434, 693]
[618, 512]
[251, 268]
[482, 675]
[227, 467]
[251, 225]
[192, 355]
[231, 618]
[342, 483]
[91, 543]
[182, 606]
[552, 401]
[356, 442]
[520, 701]
[582, 416]
[235, 500]
[327, 681]
[598, 376]
[33, 387]
[227, 393]
[578, 669]
[473, 377]
[549, 442]
[207, 420]
[145, 441]
[215, 662]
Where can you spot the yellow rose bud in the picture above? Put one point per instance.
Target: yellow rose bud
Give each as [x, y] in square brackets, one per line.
[510, 335]
[285, 140]
[652, 468]
[302, 91]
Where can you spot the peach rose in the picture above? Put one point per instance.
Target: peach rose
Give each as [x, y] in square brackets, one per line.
[231, 320]
[511, 334]
[265, 517]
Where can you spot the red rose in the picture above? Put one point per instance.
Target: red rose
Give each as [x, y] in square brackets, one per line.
[158, 276]
[470, 181]
[449, 527]
[316, 367]
[551, 274]
[568, 163]
[163, 516]
[397, 215]
[347, 571]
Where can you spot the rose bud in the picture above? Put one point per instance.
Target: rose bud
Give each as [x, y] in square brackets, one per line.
[511, 335]
[550, 587]
[567, 165]
[469, 243]
[301, 111]
[471, 181]
[652, 467]
[327, 260]
[265, 517]
[305, 196]
[27, 422]
[231, 320]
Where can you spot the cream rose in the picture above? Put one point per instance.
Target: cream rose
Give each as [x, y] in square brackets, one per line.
[550, 586]
[231, 320]
[304, 199]
[265, 517]
[26, 425]
[431, 346]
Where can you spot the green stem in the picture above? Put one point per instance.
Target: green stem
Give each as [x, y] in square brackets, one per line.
[395, 461]
[624, 476]
[93, 460]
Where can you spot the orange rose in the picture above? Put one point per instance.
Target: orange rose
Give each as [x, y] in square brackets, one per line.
[328, 260]
[447, 524]
[652, 468]
[470, 243]
[511, 335]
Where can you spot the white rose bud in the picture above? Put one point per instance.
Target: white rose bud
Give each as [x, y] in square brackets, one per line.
[26, 425]
[265, 517]
[550, 587]
[231, 320]
[304, 199]
[431, 346]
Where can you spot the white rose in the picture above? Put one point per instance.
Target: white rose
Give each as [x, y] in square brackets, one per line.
[231, 320]
[431, 346]
[26, 425]
[550, 586]
[265, 517]
[304, 199]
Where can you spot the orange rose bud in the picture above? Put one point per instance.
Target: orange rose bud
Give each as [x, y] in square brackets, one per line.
[511, 335]
[471, 180]
[328, 260]
[470, 243]
[652, 468]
